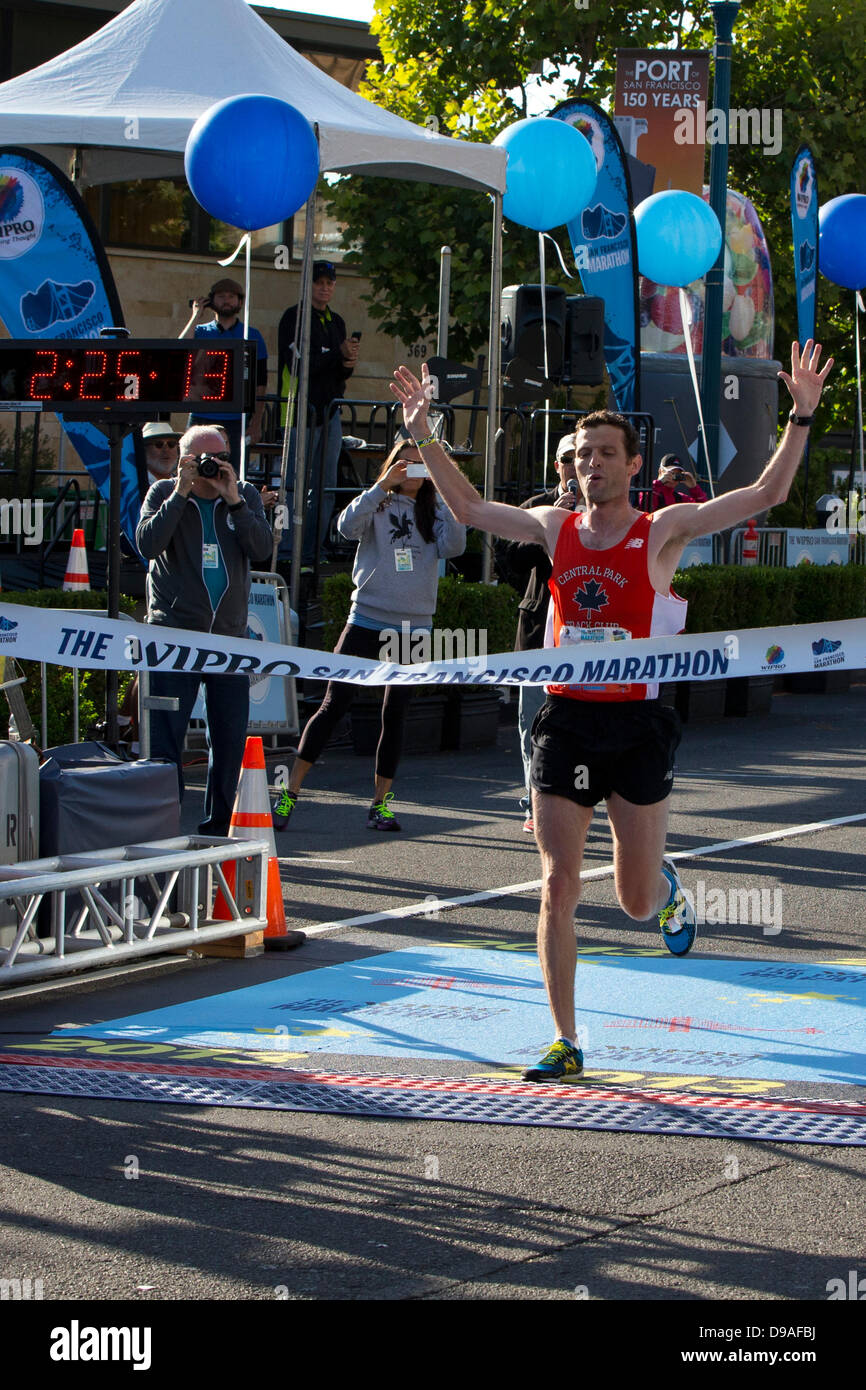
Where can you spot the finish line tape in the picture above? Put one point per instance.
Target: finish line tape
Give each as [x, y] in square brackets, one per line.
[67, 637]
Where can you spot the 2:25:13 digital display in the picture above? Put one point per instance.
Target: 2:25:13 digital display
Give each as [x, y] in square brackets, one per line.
[80, 376]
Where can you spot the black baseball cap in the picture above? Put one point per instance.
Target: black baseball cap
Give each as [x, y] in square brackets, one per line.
[324, 270]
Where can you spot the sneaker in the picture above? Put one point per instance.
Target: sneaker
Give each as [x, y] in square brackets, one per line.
[677, 918]
[561, 1059]
[283, 809]
[380, 815]
[529, 825]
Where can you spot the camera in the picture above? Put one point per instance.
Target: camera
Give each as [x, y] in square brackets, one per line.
[208, 466]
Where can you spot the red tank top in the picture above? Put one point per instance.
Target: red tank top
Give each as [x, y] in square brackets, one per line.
[598, 589]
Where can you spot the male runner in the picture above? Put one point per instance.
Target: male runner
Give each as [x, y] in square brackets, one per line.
[612, 569]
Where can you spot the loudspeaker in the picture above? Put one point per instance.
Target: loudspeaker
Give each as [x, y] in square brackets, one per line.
[584, 341]
[523, 328]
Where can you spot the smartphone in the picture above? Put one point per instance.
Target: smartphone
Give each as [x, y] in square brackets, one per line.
[356, 336]
[417, 470]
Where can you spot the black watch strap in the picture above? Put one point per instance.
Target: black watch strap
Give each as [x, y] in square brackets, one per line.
[236, 506]
[800, 419]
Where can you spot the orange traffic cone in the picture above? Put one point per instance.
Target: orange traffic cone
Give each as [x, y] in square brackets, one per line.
[77, 573]
[251, 820]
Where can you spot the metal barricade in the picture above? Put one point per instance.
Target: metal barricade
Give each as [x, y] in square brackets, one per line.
[785, 547]
[121, 904]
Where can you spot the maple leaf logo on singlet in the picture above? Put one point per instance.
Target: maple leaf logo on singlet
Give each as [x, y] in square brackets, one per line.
[591, 598]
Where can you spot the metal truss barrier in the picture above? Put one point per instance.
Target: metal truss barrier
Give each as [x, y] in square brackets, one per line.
[108, 906]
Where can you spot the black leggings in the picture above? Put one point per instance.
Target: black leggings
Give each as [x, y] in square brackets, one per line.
[364, 642]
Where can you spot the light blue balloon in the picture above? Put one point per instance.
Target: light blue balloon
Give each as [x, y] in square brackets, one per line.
[842, 240]
[551, 172]
[678, 237]
[252, 161]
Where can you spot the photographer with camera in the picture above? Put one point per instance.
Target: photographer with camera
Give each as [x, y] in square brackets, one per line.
[225, 300]
[675, 483]
[199, 531]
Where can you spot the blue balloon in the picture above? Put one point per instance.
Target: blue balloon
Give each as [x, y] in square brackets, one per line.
[550, 175]
[678, 237]
[252, 161]
[842, 240]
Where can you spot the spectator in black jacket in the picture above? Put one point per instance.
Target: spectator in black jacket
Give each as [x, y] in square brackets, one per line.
[332, 360]
[527, 567]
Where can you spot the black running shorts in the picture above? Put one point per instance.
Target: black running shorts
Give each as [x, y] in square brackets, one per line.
[585, 750]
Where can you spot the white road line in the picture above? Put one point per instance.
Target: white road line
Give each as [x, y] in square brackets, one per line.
[433, 905]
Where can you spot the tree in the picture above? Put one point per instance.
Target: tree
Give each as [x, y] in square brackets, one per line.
[471, 68]
[466, 71]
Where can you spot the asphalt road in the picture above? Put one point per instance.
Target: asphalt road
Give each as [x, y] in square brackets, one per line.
[247, 1206]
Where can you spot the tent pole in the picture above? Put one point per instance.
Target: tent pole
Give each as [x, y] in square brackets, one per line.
[302, 329]
[493, 376]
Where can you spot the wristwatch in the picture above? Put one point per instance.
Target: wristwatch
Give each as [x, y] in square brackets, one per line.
[796, 419]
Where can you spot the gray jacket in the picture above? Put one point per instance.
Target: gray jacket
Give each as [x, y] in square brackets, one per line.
[169, 535]
[382, 592]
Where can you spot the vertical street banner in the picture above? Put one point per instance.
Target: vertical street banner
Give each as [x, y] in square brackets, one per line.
[660, 105]
[604, 246]
[55, 282]
[804, 223]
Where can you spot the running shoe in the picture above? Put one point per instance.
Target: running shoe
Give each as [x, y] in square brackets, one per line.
[380, 815]
[561, 1059]
[677, 918]
[529, 826]
[284, 808]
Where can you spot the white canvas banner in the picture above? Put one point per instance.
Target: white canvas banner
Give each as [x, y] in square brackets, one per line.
[67, 637]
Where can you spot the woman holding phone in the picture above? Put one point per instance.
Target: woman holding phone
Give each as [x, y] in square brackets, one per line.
[403, 529]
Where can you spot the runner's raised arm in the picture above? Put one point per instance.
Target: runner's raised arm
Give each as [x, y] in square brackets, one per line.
[537, 525]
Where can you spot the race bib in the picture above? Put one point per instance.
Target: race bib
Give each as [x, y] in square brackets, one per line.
[572, 636]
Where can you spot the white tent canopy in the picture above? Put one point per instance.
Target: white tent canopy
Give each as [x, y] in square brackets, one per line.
[137, 86]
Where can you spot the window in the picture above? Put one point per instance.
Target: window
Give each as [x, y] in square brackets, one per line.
[161, 214]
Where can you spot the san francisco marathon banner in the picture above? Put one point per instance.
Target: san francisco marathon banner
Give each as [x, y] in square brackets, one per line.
[604, 244]
[68, 638]
[55, 282]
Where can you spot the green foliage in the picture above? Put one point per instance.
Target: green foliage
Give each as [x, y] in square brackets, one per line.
[467, 71]
[336, 602]
[723, 598]
[58, 679]
[471, 69]
[488, 608]
[16, 482]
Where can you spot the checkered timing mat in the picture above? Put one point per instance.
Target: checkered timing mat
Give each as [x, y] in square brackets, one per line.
[802, 1121]
[777, 1021]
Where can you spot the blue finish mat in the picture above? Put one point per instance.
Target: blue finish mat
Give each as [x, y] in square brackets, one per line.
[779, 1021]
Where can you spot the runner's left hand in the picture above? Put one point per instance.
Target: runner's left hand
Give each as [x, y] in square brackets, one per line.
[806, 382]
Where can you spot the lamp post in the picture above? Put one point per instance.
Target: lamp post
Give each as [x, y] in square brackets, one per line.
[724, 17]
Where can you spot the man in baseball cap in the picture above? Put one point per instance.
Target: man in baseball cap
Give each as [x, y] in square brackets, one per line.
[333, 356]
[225, 299]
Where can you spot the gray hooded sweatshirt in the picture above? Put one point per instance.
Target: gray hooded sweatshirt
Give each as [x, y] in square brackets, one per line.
[396, 572]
